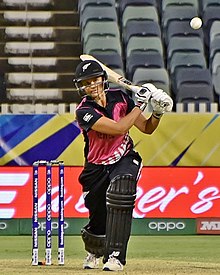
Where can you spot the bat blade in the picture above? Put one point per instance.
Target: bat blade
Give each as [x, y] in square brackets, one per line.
[112, 75]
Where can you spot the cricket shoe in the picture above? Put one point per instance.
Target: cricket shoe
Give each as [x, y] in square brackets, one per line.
[91, 262]
[113, 264]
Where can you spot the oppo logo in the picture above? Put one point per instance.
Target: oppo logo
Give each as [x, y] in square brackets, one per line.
[48, 244]
[54, 225]
[167, 226]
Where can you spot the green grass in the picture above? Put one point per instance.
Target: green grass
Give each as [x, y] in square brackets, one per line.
[146, 255]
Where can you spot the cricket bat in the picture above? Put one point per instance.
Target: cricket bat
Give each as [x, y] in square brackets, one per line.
[112, 75]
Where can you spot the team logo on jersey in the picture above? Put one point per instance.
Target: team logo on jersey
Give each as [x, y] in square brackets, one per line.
[85, 67]
[87, 117]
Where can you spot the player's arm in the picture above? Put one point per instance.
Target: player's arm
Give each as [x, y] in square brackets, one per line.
[111, 127]
[88, 118]
[108, 126]
[147, 125]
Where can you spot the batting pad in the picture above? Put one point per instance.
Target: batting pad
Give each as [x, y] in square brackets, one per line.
[120, 199]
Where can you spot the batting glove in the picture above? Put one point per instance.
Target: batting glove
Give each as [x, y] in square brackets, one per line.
[142, 95]
[161, 102]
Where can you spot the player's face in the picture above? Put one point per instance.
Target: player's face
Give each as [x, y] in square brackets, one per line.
[93, 86]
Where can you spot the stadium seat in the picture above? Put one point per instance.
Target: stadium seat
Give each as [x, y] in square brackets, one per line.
[215, 63]
[82, 4]
[157, 76]
[153, 44]
[216, 82]
[140, 28]
[180, 13]
[210, 14]
[97, 14]
[195, 93]
[112, 60]
[182, 29]
[215, 30]
[106, 28]
[204, 4]
[214, 47]
[184, 44]
[139, 13]
[186, 60]
[192, 76]
[100, 44]
[122, 5]
[168, 3]
[143, 60]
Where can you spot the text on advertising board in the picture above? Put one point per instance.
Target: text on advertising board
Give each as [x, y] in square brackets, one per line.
[162, 192]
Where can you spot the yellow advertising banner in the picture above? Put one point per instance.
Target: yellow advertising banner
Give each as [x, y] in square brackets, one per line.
[180, 140]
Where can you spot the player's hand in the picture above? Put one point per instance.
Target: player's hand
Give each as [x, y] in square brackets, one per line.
[161, 102]
[151, 88]
[142, 95]
[145, 92]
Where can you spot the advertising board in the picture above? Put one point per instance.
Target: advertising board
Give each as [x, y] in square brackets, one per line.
[162, 192]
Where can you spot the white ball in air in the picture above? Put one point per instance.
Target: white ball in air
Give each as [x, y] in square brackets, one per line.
[196, 23]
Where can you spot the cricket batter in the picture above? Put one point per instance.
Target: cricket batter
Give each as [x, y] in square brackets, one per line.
[112, 166]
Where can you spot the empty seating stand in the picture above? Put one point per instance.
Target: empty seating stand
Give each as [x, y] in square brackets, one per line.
[40, 47]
